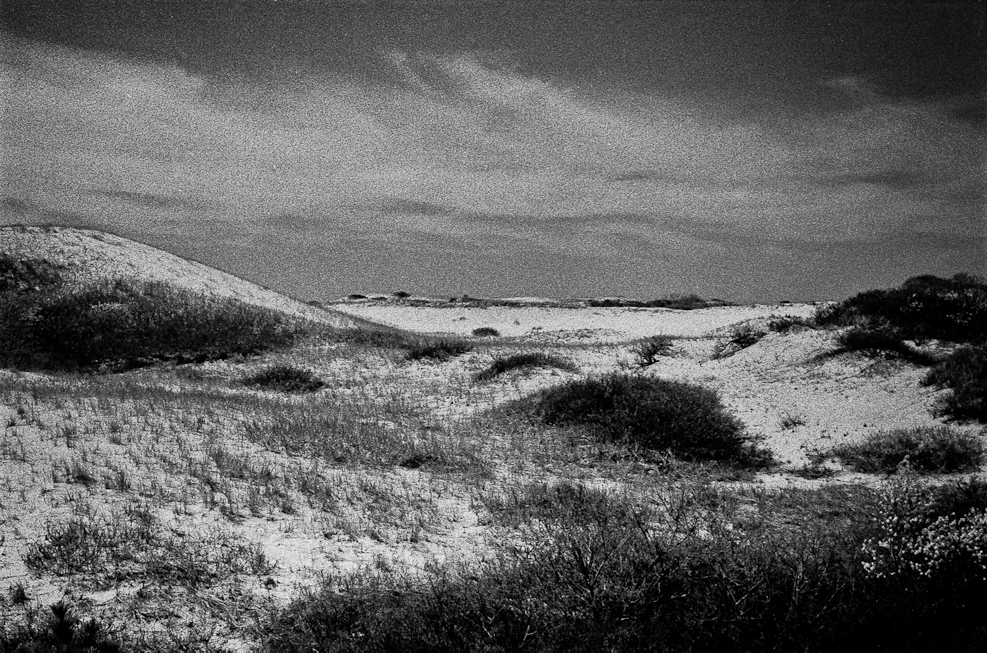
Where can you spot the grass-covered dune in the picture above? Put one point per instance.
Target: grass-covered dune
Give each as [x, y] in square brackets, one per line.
[123, 323]
[293, 485]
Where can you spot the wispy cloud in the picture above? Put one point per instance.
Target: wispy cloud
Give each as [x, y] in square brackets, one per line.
[469, 145]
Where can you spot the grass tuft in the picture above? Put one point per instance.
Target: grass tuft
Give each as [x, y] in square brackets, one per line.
[486, 332]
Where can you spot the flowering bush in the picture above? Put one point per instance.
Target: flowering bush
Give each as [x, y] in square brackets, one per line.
[915, 540]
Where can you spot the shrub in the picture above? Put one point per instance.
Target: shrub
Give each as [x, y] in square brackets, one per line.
[933, 450]
[526, 360]
[27, 275]
[285, 378]
[356, 296]
[923, 537]
[122, 324]
[401, 294]
[61, 631]
[652, 413]
[438, 348]
[483, 332]
[742, 336]
[965, 374]
[646, 353]
[874, 341]
[923, 307]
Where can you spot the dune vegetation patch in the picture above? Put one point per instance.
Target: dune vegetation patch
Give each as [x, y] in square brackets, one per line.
[655, 414]
[648, 351]
[741, 337]
[932, 450]
[27, 275]
[486, 332]
[677, 302]
[440, 349]
[121, 324]
[527, 360]
[285, 378]
[923, 307]
[880, 341]
[964, 373]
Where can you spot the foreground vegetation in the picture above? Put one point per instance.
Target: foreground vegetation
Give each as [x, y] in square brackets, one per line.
[900, 571]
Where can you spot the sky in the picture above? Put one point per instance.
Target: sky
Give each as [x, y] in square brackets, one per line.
[747, 151]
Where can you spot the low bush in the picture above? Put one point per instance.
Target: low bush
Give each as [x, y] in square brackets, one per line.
[484, 332]
[502, 364]
[285, 378]
[875, 341]
[122, 324]
[965, 374]
[931, 450]
[648, 351]
[685, 419]
[923, 307]
[742, 336]
[931, 546]
[438, 348]
[62, 631]
[28, 275]
[787, 323]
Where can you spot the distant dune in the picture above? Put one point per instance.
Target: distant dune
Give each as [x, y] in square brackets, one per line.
[88, 255]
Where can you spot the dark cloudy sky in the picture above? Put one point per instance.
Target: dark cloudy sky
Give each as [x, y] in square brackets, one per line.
[750, 151]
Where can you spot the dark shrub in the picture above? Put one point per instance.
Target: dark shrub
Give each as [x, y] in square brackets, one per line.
[402, 294]
[27, 275]
[484, 332]
[923, 307]
[742, 336]
[786, 324]
[965, 374]
[875, 341]
[652, 413]
[686, 302]
[438, 348]
[646, 352]
[356, 296]
[123, 324]
[285, 378]
[62, 631]
[934, 450]
[520, 361]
